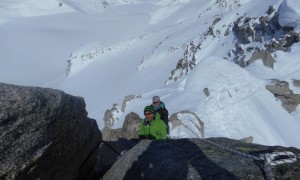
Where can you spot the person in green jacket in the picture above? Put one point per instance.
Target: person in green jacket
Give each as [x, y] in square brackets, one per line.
[152, 127]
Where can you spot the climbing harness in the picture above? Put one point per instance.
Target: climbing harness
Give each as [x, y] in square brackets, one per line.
[270, 159]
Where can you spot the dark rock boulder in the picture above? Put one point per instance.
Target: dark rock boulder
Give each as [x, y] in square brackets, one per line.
[206, 92]
[45, 134]
[116, 141]
[196, 159]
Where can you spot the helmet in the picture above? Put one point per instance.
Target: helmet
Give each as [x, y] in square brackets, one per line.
[155, 99]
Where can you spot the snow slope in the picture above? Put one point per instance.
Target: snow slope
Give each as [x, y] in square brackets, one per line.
[12, 9]
[106, 50]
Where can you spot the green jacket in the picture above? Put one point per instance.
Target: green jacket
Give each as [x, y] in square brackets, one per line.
[156, 129]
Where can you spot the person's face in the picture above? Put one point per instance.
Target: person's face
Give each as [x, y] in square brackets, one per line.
[148, 115]
[156, 104]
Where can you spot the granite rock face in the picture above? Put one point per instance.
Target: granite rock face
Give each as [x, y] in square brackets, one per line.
[129, 130]
[45, 134]
[196, 159]
[281, 90]
[259, 37]
[117, 141]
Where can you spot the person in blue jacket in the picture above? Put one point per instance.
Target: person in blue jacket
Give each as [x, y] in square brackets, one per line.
[160, 107]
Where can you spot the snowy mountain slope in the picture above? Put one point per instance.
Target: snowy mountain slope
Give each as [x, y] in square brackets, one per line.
[106, 50]
[288, 15]
[12, 9]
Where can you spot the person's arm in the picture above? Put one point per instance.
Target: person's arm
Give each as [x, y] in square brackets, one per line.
[142, 133]
[162, 130]
[165, 114]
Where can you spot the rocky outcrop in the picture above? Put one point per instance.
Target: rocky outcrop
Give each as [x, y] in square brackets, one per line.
[109, 115]
[206, 92]
[185, 64]
[281, 90]
[128, 99]
[260, 37]
[131, 126]
[130, 129]
[248, 139]
[186, 121]
[109, 119]
[45, 134]
[196, 159]
[265, 56]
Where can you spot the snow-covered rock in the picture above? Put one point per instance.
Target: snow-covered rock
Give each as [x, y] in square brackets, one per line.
[289, 14]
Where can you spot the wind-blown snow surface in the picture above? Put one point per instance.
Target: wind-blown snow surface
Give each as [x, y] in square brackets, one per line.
[106, 50]
[289, 14]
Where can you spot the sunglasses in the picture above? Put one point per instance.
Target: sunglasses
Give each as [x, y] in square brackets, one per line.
[147, 114]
